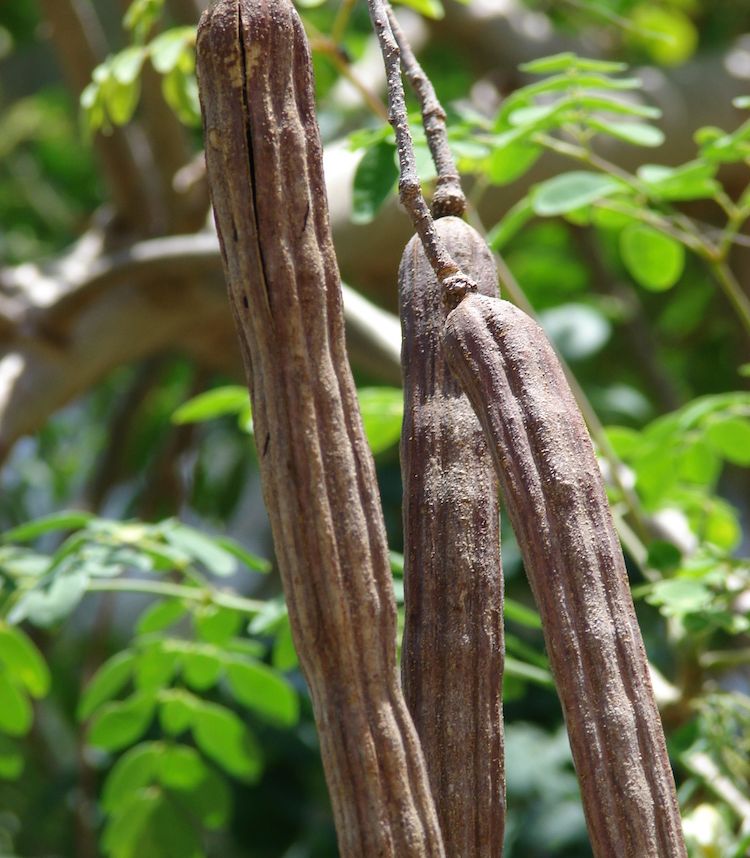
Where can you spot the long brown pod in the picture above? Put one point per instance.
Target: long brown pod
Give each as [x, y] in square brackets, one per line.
[265, 170]
[558, 507]
[452, 656]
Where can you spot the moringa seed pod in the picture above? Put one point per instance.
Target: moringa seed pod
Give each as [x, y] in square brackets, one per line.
[452, 654]
[557, 504]
[264, 160]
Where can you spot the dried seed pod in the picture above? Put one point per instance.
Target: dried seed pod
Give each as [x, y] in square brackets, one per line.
[265, 170]
[452, 656]
[558, 507]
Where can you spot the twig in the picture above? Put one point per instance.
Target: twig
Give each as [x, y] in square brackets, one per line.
[48, 354]
[733, 292]
[448, 198]
[324, 44]
[714, 779]
[342, 20]
[454, 282]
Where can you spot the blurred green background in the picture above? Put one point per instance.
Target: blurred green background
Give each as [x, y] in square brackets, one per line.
[617, 194]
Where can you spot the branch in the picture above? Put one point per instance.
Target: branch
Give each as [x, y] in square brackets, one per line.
[65, 326]
[183, 207]
[454, 282]
[448, 198]
[702, 765]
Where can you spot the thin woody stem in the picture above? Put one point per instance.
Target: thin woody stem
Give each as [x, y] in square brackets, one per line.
[454, 282]
[448, 198]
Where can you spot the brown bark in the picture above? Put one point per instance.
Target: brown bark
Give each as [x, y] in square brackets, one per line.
[452, 656]
[558, 507]
[265, 171]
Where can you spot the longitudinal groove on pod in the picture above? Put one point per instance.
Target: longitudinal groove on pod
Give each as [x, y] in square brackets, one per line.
[452, 659]
[264, 160]
[556, 500]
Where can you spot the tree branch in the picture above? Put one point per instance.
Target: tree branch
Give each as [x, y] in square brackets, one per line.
[454, 282]
[65, 326]
[448, 198]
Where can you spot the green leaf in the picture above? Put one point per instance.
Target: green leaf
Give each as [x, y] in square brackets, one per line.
[18, 562]
[537, 115]
[201, 669]
[508, 163]
[624, 440]
[637, 133]
[181, 768]
[160, 615]
[120, 99]
[653, 259]
[731, 439]
[216, 625]
[530, 672]
[70, 520]
[156, 666]
[573, 83]
[126, 66]
[742, 102]
[171, 837]
[667, 34]
[284, 656]
[720, 525]
[11, 760]
[265, 692]
[136, 769]
[397, 563]
[677, 596]
[180, 90]
[699, 463]
[428, 8]
[15, 710]
[268, 619]
[223, 737]
[252, 561]
[141, 17]
[692, 181]
[107, 683]
[382, 410]
[663, 556]
[512, 223]
[218, 402]
[201, 548]
[569, 61]
[167, 48]
[45, 607]
[22, 659]
[374, 181]
[571, 191]
[127, 828]
[118, 725]
[607, 104]
[177, 709]
[210, 801]
[519, 613]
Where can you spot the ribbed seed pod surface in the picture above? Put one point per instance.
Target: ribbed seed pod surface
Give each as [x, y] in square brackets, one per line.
[452, 657]
[557, 503]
